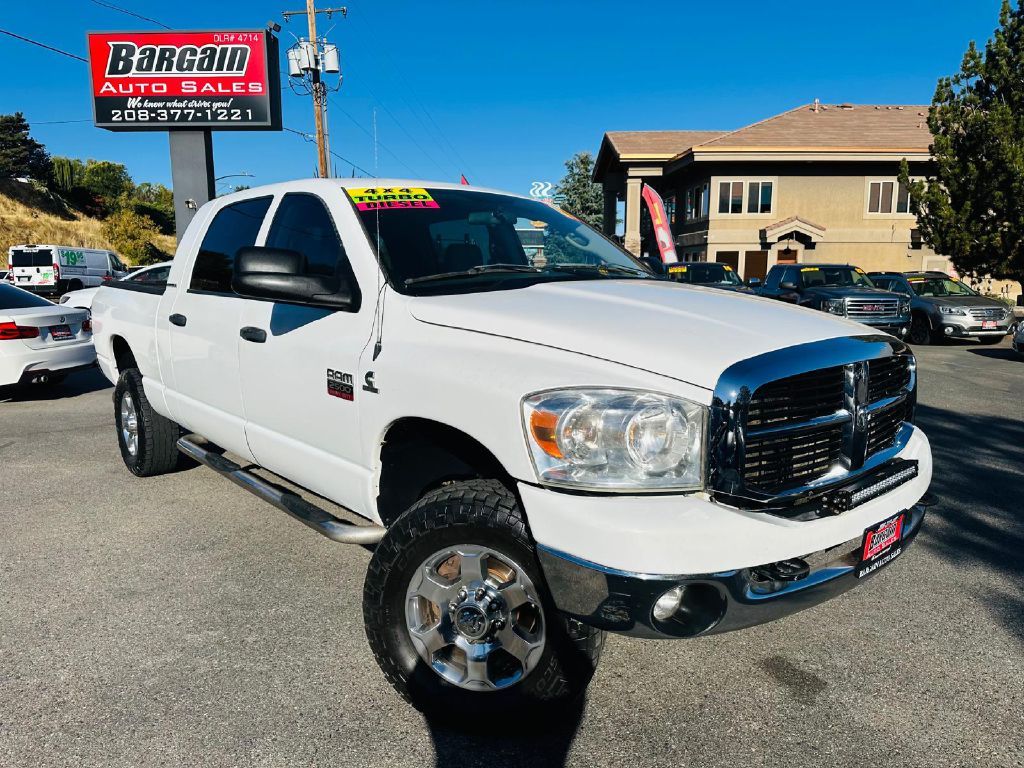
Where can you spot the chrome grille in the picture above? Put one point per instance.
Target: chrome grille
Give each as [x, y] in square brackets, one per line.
[872, 309]
[801, 428]
[987, 313]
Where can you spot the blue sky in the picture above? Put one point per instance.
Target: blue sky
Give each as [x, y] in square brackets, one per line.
[514, 88]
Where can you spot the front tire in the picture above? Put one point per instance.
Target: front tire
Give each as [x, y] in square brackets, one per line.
[147, 440]
[921, 333]
[459, 573]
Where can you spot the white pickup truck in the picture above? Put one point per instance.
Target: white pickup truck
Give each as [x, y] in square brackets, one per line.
[545, 440]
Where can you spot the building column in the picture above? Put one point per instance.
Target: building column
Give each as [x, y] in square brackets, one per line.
[610, 210]
[633, 200]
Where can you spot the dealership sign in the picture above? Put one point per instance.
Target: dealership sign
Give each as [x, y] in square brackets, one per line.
[167, 80]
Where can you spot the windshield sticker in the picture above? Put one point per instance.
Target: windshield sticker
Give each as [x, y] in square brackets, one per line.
[377, 198]
[676, 270]
[727, 268]
[860, 271]
[810, 269]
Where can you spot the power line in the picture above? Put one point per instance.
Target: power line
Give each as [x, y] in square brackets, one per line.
[43, 45]
[311, 138]
[130, 13]
[381, 144]
[59, 122]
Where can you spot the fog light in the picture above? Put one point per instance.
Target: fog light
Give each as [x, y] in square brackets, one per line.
[668, 603]
[949, 331]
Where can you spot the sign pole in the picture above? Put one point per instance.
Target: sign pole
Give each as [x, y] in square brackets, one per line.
[192, 175]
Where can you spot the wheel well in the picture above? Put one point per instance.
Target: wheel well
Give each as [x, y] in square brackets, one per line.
[123, 357]
[922, 313]
[419, 455]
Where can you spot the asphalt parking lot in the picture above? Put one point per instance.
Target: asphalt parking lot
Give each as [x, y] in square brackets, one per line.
[178, 621]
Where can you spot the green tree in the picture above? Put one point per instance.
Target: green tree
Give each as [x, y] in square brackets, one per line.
[577, 193]
[107, 180]
[68, 173]
[132, 236]
[20, 154]
[971, 206]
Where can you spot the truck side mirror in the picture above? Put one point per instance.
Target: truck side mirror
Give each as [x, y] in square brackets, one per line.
[789, 286]
[277, 274]
[754, 282]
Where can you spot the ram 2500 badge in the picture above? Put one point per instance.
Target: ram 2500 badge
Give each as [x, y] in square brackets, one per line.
[473, 374]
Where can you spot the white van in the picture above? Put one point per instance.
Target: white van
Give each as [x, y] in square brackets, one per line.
[56, 269]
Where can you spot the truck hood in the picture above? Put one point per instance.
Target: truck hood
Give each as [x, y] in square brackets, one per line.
[685, 332]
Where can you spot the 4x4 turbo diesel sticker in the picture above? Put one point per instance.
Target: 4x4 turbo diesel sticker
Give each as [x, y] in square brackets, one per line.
[340, 385]
[374, 198]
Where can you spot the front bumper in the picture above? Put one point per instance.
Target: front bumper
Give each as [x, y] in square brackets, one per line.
[897, 327]
[971, 330]
[623, 602]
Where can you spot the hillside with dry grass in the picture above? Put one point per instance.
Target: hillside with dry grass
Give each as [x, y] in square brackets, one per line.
[31, 215]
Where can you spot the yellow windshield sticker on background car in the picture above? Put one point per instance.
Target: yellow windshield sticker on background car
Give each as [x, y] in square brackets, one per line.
[810, 269]
[376, 198]
[676, 270]
[727, 268]
[859, 270]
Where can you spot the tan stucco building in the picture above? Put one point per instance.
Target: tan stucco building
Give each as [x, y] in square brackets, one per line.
[815, 184]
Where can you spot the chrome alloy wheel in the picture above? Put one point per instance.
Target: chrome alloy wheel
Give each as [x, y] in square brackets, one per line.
[475, 617]
[129, 424]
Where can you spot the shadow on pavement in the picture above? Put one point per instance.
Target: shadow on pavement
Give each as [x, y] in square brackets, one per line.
[78, 383]
[488, 743]
[997, 353]
[979, 485]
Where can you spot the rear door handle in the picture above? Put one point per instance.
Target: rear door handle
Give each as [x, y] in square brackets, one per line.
[178, 320]
[255, 335]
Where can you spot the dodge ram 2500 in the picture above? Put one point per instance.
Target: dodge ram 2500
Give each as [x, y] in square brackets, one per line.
[473, 374]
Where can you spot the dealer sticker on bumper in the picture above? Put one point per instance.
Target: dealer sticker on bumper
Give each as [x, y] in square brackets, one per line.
[882, 544]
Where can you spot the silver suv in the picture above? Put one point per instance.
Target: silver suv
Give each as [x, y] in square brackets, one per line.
[941, 307]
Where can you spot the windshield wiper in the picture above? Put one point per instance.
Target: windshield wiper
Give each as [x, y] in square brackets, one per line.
[601, 269]
[480, 269]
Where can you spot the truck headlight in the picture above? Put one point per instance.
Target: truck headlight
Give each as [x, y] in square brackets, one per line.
[951, 310]
[613, 439]
[835, 306]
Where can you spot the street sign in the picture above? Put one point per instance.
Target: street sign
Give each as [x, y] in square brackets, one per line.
[158, 81]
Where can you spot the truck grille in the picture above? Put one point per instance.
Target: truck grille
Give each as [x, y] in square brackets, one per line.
[866, 310]
[800, 428]
[797, 398]
[987, 313]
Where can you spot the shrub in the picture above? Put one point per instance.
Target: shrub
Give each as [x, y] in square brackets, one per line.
[132, 235]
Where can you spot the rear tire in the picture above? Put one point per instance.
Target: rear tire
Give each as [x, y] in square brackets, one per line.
[74, 285]
[147, 440]
[480, 516]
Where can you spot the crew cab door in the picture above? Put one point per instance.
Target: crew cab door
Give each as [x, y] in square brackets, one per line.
[203, 321]
[300, 377]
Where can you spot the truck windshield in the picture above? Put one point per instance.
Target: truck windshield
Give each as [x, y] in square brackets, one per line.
[940, 286]
[449, 240]
[842, 277]
[704, 274]
[20, 258]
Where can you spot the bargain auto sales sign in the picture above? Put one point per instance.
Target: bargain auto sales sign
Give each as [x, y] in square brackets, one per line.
[165, 80]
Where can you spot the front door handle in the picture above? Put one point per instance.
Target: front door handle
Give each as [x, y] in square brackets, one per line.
[178, 320]
[255, 335]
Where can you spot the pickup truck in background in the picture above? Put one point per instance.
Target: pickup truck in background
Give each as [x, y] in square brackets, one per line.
[533, 466]
[839, 289]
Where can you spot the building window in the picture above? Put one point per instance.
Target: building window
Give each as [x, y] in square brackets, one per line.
[670, 209]
[697, 202]
[758, 196]
[881, 196]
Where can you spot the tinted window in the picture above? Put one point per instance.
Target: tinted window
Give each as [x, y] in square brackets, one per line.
[774, 278]
[155, 275]
[31, 258]
[303, 224]
[15, 298]
[234, 227]
[791, 275]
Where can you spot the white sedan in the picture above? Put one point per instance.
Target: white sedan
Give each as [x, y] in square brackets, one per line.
[41, 342]
[83, 298]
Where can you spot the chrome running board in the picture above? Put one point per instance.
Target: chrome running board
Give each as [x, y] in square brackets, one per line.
[320, 520]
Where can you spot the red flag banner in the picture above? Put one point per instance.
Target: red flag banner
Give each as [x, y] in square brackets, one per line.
[662, 229]
[463, 179]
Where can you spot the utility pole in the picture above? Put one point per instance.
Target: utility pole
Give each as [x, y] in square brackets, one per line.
[312, 60]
